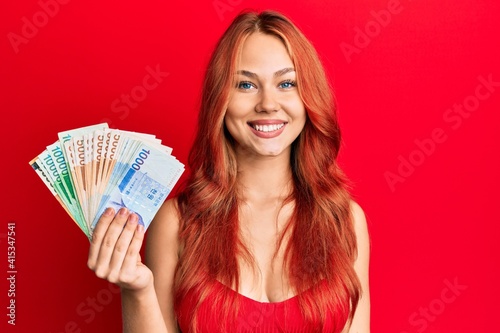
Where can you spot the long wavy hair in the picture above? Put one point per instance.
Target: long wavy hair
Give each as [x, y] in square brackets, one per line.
[321, 243]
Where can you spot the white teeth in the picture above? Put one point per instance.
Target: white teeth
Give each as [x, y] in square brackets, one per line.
[268, 128]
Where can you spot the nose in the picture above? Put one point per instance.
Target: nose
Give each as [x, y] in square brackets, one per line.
[267, 102]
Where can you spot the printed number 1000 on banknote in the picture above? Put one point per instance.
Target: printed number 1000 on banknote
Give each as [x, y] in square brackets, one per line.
[91, 168]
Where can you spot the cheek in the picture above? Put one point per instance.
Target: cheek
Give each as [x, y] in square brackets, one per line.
[231, 119]
[236, 113]
[299, 114]
[238, 106]
[300, 120]
[231, 125]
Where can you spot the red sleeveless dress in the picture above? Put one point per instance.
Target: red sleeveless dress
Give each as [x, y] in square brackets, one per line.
[253, 316]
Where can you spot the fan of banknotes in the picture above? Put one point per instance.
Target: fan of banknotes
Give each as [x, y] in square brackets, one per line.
[91, 168]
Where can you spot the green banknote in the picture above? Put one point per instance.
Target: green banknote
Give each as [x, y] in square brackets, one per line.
[94, 167]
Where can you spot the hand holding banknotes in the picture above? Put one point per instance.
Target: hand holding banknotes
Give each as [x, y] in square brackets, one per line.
[114, 250]
[112, 183]
[94, 167]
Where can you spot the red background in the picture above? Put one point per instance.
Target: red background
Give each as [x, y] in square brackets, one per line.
[436, 225]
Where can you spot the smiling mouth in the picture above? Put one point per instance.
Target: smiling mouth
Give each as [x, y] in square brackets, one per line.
[267, 128]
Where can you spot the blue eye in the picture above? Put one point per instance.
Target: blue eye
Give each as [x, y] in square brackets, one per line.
[245, 85]
[287, 84]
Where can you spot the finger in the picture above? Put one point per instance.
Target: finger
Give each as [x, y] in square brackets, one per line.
[98, 235]
[121, 247]
[108, 242]
[132, 259]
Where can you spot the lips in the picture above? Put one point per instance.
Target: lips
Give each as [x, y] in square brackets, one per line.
[267, 128]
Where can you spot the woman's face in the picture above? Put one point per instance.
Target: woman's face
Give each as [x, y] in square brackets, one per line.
[265, 113]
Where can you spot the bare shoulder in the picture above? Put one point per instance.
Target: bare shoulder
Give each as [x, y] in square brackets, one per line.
[361, 320]
[162, 235]
[361, 230]
[162, 247]
[360, 223]
[167, 216]
[358, 214]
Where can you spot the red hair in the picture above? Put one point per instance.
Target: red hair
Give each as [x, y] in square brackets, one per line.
[322, 243]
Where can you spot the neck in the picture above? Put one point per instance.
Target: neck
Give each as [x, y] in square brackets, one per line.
[264, 177]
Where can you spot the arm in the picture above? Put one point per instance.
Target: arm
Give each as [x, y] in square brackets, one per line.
[162, 252]
[361, 320]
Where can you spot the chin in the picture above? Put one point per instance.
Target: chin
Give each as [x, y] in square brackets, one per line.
[275, 151]
[272, 153]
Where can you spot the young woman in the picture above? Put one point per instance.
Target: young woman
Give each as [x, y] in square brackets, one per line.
[265, 236]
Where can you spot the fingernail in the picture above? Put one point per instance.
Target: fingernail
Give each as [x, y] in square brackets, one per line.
[132, 218]
[140, 228]
[123, 211]
[108, 211]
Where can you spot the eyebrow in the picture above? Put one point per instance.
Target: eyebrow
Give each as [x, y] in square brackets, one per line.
[281, 72]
